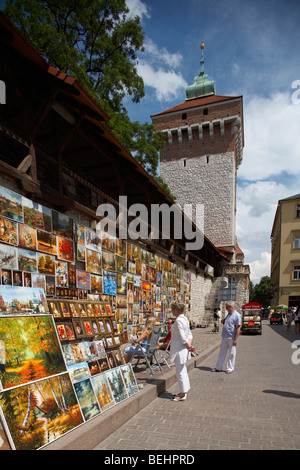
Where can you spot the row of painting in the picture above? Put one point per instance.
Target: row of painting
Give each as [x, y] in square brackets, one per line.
[49, 389]
[36, 414]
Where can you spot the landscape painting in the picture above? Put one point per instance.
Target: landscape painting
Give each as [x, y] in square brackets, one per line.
[38, 413]
[11, 204]
[22, 300]
[103, 392]
[62, 225]
[87, 399]
[29, 350]
[36, 215]
[116, 384]
[8, 257]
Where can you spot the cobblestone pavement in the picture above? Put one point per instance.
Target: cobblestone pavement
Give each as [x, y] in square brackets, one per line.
[256, 407]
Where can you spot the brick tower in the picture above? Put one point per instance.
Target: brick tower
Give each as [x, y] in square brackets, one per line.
[203, 150]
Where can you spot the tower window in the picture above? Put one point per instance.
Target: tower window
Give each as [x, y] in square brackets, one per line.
[183, 116]
[184, 163]
[205, 111]
[207, 158]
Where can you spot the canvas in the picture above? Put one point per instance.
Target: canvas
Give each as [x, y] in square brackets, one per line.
[92, 240]
[65, 249]
[129, 379]
[30, 350]
[11, 204]
[22, 300]
[38, 413]
[116, 384]
[62, 225]
[87, 399]
[27, 260]
[93, 262]
[103, 392]
[79, 371]
[8, 257]
[46, 242]
[36, 215]
[8, 231]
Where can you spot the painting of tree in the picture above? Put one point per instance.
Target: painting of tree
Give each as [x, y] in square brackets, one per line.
[29, 350]
[38, 413]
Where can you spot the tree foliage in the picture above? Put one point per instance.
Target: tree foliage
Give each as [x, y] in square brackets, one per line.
[96, 42]
[261, 292]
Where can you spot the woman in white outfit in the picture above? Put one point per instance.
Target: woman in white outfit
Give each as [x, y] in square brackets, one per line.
[181, 347]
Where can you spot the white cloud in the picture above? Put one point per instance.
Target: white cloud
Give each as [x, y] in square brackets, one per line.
[138, 8]
[272, 137]
[161, 55]
[260, 267]
[167, 85]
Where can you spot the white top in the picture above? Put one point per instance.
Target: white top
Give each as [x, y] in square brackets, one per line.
[180, 333]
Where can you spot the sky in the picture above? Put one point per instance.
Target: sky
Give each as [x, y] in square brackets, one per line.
[252, 48]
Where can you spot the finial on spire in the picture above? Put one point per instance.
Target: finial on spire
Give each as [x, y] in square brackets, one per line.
[202, 59]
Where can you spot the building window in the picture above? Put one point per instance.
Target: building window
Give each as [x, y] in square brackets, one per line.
[205, 111]
[184, 163]
[296, 273]
[183, 117]
[298, 211]
[207, 158]
[297, 241]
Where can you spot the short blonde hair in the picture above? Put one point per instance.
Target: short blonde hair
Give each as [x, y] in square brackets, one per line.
[150, 323]
[178, 306]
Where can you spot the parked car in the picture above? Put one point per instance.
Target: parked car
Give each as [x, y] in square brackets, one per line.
[276, 315]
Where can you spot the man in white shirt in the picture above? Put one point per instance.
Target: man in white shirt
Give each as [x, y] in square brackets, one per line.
[230, 333]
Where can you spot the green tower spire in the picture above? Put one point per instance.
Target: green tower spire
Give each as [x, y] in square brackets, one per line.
[202, 86]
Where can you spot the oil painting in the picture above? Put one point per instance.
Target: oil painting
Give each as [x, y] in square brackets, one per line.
[116, 384]
[30, 350]
[38, 413]
[11, 204]
[8, 231]
[103, 392]
[87, 399]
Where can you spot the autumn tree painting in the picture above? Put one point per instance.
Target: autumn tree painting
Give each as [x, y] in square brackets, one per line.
[29, 350]
[38, 413]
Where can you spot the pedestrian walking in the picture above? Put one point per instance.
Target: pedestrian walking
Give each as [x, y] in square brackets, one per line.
[181, 348]
[297, 321]
[290, 317]
[230, 333]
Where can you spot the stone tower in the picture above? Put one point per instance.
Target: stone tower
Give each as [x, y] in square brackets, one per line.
[203, 150]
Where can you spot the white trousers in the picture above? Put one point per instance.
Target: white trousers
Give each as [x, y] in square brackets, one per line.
[226, 345]
[182, 376]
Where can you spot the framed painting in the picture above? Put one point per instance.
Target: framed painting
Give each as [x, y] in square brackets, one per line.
[80, 252]
[121, 247]
[61, 274]
[46, 264]
[92, 240]
[97, 309]
[109, 283]
[61, 330]
[17, 279]
[94, 368]
[83, 280]
[78, 328]
[79, 371]
[81, 352]
[103, 392]
[38, 280]
[62, 225]
[8, 257]
[46, 242]
[121, 264]
[89, 309]
[54, 308]
[129, 379]
[11, 204]
[30, 349]
[116, 383]
[108, 242]
[87, 399]
[103, 363]
[73, 310]
[81, 309]
[93, 262]
[27, 279]
[101, 326]
[64, 308]
[22, 301]
[108, 261]
[38, 413]
[70, 331]
[87, 324]
[27, 260]
[6, 277]
[27, 236]
[36, 215]
[109, 342]
[65, 249]
[80, 234]
[8, 231]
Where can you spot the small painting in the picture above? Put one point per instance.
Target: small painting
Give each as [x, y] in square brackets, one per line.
[36, 215]
[129, 379]
[93, 262]
[6, 277]
[79, 371]
[109, 283]
[65, 249]
[92, 240]
[61, 274]
[27, 260]
[87, 399]
[116, 384]
[83, 280]
[11, 204]
[46, 264]
[103, 392]
[8, 257]
[62, 225]
[46, 242]
[8, 231]
[27, 236]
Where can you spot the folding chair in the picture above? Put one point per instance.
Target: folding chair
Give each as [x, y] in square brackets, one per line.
[164, 354]
[150, 352]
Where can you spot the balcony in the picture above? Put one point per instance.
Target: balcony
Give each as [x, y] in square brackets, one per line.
[232, 269]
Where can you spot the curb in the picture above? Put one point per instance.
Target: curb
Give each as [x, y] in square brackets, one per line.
[90, 434]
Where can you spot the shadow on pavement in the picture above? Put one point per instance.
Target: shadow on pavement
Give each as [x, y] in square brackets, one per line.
[282, 393]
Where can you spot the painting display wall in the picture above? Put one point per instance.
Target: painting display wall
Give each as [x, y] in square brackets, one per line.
[69, 297]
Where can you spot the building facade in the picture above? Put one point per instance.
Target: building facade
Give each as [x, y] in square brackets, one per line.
[200, 160]
[285, 257]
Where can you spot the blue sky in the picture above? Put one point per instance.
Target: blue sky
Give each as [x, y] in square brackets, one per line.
[252, 48]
